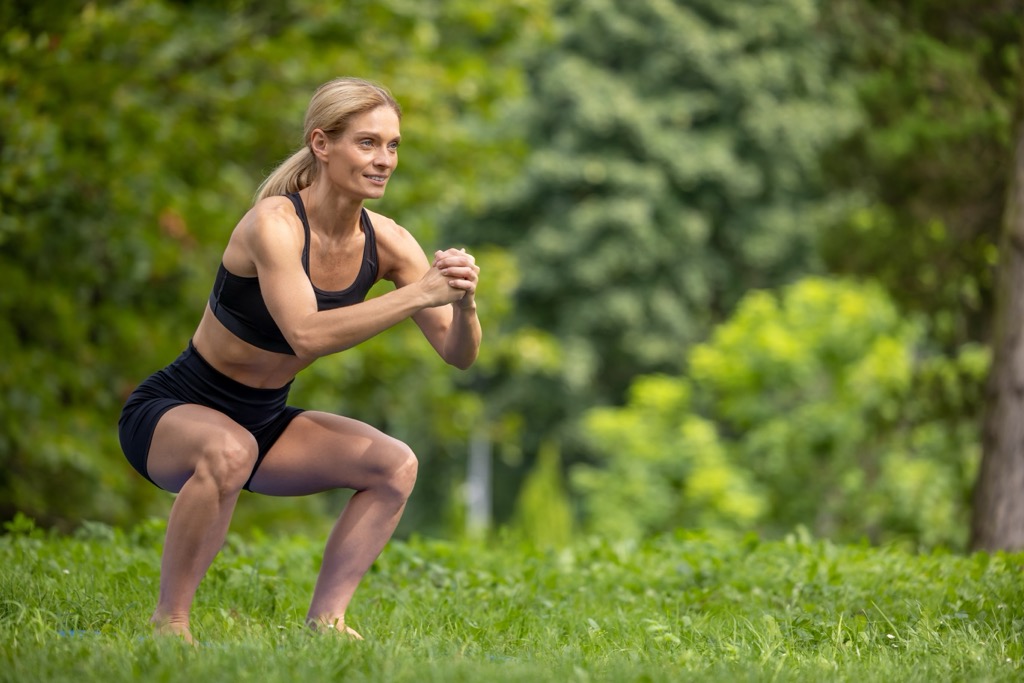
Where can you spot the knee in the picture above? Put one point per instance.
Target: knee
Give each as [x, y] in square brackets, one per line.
[401, 475]
[228, 462]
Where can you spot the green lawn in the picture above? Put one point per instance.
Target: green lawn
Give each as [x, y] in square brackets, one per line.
[675, 608]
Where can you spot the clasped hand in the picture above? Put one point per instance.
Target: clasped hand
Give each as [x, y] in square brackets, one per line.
[460, 273]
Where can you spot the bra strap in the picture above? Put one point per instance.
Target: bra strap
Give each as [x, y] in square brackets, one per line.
[301, 211]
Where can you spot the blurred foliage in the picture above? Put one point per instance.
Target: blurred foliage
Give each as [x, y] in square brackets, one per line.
[898, 177]
[132, 137]
[803, 409]
[635, 178]
[673, 164]
[543, 515]
[935, 79]
[661, 467]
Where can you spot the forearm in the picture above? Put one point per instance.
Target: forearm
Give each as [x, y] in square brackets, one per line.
[326, 332]
[462, 341]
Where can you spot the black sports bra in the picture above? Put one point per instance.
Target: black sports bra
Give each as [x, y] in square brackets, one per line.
[238, 304]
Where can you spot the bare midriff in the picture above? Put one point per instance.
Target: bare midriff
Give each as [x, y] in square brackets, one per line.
[240, 360]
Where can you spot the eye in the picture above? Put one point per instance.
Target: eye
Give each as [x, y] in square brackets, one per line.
[393, 146]
[366, 143]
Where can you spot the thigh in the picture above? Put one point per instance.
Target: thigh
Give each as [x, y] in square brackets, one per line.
[320, 452]
[187, 433]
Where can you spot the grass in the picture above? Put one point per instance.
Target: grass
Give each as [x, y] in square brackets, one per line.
[689, 607]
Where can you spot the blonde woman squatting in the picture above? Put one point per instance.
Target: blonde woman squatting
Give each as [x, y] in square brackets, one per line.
[290, 289]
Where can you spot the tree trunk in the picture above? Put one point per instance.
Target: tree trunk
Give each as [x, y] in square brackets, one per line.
[998, 519]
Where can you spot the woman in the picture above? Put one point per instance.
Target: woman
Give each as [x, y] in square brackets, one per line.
[290, 289]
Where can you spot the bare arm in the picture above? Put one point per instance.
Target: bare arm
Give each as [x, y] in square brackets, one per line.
[291, 301]
[454, 331]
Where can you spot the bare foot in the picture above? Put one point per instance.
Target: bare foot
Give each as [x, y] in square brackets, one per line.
[337, 626]
[172, 628]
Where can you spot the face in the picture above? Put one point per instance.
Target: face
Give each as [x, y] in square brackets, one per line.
[360, 161]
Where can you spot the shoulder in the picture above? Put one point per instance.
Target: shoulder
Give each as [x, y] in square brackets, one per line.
[270, 227]
[269, 213]
[388, 230]
[272, 220]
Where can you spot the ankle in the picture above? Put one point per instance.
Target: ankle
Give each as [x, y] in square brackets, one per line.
[326, 623]
[170, 621]
[332, 625]
[172, 627]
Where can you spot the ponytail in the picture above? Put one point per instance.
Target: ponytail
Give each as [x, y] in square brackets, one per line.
[296, 172]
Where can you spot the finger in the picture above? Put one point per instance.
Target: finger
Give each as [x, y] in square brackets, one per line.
[462, 273]
[461, 263]
[442, 258]
[453, 257]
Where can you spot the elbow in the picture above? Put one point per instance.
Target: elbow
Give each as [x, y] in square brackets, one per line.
[309, 346]
[305, 355]
[464, 363]
[304, 347]
[461, 355]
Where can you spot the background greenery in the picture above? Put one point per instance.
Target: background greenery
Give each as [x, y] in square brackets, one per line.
[737, 257]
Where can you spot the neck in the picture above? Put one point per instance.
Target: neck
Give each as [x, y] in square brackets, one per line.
[331, 214]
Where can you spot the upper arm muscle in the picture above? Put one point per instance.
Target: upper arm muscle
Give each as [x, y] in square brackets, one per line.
[407, 264]
[275, 245]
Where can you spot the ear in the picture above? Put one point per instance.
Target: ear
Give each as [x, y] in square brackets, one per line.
[318, 143]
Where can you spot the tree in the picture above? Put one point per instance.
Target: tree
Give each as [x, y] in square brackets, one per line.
[673, 164]
[998, 521]
[940, 86]
[935, 80]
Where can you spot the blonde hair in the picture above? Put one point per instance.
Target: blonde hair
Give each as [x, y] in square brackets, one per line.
[331, 108]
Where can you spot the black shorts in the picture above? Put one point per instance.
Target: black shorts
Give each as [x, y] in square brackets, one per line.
[192, 380]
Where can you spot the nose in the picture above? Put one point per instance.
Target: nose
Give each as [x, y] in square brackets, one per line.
[385, 158]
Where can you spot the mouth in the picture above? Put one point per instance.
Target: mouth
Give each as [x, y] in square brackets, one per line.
[379, 179]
